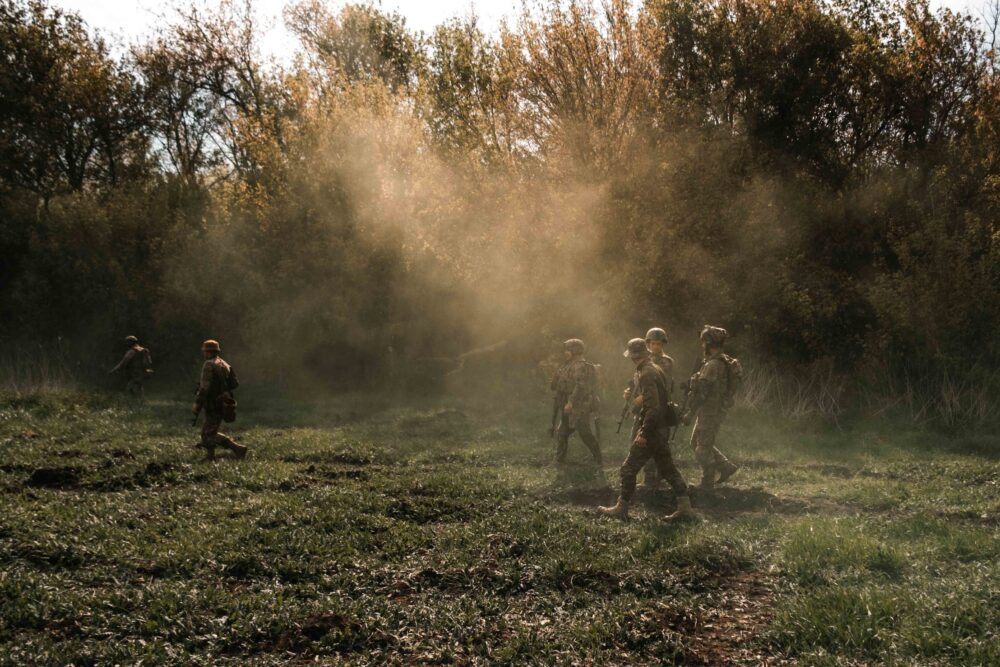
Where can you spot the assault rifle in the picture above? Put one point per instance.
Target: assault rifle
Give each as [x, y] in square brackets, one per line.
[557, 406]
[625, 410]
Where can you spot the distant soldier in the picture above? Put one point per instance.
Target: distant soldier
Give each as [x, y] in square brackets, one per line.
[650, 436]
[710, 395]
[215, 397]
[137, 365]
[576, 400]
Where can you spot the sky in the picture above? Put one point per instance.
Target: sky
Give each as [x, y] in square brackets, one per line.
[124, 21]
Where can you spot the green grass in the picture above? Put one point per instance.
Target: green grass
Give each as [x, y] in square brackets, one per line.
[362, 532]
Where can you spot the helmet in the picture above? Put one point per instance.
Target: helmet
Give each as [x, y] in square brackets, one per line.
[131, 340]
[656, 333]
[636, 349]
[574, 345]
[713, 335]
[211, 346]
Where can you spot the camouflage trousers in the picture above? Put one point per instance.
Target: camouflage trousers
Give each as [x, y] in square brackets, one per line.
[134, 388]
[658, 450]
[650, 473]
[567, 425]
[706, 453]
[212, 438]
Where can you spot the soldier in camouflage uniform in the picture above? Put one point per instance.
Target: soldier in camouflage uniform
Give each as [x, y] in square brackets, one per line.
[656, 338]
[215, 386]
[708, 398]
[137, 364]
[650, 436]
[574, 385]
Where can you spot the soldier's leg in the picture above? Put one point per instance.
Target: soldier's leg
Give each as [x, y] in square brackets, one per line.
[589, 439]
[664, 461]
[637, 457]
[562, 439]
[703, 440]
[209, 433]
[723, 465]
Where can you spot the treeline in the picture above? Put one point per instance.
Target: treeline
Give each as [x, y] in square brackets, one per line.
[821, 177]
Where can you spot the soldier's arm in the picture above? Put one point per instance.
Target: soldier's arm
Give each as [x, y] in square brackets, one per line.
[204, 384]
[125, 361]
[651, 403]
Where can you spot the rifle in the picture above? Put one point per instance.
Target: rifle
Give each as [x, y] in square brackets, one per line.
[625, 410]
[557, 406]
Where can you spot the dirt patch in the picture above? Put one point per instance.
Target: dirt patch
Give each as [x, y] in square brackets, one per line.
[583, 496]
[122, 454]
[730, 499]
[54, 478]
[728, 631]
[427, 510]
[154, 474]
[828, 469]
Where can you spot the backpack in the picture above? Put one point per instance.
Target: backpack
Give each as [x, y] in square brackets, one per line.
[734, 380]
[228, 402]
[594, 383]
[147, 362]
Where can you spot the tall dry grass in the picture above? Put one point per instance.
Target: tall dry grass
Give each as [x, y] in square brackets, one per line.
[820, 391]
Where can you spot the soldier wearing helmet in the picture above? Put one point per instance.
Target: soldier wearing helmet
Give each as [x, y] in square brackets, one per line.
[650, 436]
[656, 338]
[215, 389]
[137, 365]
[576, 400]
[709, 395]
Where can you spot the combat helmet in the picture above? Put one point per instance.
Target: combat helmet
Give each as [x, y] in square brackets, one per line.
[211, 346]
[574, 345]
[636, 349]
[131, 340]
[715, 336]
[656, 333]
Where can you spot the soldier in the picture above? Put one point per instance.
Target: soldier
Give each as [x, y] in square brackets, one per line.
[218, 380]
[137, 365]
[575, 386]
[656, 338]
[709, 397]
[650, 436]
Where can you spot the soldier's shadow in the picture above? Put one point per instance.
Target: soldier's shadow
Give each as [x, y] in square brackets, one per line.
[581, 485]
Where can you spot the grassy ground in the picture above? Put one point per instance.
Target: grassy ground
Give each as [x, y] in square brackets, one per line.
[359, 532]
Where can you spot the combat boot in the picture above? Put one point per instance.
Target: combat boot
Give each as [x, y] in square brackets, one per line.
[619, 510]
[728, 470]
[684, 511]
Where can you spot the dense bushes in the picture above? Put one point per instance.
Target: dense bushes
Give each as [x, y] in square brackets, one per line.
[820, 177]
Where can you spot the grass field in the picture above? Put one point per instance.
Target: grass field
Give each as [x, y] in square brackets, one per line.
[360, 532]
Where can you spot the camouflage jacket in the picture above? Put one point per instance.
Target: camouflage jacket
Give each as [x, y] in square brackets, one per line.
[216, 378]
[708, 388]
[135, 362]
[574, 381]
[651, 384]
[666, 364]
